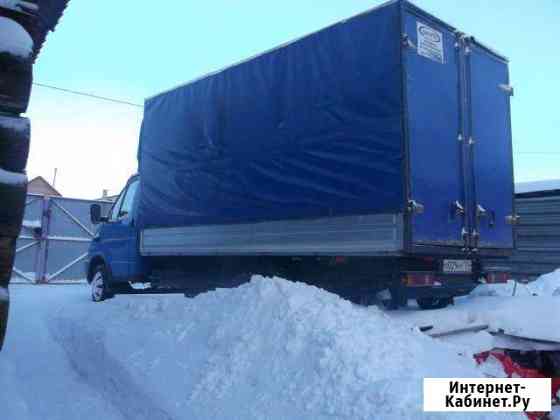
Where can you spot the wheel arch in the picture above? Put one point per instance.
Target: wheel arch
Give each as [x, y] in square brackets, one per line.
[95, 261]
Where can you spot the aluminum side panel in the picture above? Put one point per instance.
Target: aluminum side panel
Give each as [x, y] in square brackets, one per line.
[352, 235]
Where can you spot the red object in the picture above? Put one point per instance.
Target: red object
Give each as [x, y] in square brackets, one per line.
[497, 277]
[513, 369]
[420, 279]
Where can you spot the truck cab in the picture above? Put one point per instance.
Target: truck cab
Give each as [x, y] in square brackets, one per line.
[113, 257]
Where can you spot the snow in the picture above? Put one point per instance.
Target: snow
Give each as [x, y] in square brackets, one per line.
[12, 178]
[10, 4]
[18, 124]
[15, 39]
[267, 349]
[533, 313]
[546, 285]
[535, 186]
[32, 224]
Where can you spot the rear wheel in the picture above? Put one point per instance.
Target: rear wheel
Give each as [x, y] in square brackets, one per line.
[99, 285]
[433, 303]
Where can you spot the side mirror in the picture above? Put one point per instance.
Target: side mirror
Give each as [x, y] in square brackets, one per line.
[95, 214]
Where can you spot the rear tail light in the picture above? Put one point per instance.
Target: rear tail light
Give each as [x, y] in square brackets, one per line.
[497, 277]
[419, 279]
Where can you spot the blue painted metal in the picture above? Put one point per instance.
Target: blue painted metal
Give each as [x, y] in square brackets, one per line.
[491, 151]
[434, 126]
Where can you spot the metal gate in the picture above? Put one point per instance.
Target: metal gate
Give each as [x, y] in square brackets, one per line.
[54, 239]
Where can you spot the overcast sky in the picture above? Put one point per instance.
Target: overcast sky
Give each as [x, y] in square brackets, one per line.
[133, 49]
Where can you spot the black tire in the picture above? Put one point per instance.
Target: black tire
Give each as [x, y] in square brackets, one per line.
[433, 303]
[100, 290]
[14, 142]
[16, 77]
[12, 208]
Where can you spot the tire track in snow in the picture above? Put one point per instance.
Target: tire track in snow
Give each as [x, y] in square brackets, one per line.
[90, 360]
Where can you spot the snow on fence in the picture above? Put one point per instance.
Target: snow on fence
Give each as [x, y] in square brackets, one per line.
[54, 239]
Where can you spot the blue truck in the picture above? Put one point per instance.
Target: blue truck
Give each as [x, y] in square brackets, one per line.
[372, 158]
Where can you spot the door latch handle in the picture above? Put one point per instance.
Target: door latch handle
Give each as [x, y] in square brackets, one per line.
[512, 219]
[415, 207]
[457, 209]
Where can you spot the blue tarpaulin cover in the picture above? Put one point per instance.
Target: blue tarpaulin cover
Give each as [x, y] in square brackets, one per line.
[311, 129]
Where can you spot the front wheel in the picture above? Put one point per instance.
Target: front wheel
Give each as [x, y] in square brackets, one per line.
[99, 285]
[433, 303]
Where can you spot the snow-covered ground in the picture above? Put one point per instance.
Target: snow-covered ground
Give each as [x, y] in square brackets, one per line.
[523, 310]
[269, 349]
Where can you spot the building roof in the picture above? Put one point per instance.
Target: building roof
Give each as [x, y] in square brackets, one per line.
[38, 17]
[544, 187]
[40, 185]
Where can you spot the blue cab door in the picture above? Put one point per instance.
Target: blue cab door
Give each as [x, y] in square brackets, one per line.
[491, 149]
[118, 236]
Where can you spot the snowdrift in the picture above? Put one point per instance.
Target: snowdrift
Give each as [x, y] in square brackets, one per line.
[524, 310]
[268, 349]
[545, 285]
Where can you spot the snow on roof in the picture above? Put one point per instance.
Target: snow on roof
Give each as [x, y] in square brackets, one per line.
[32, 224]
[12, 178]
[15, 39]
[10, 4]
[537, 186]
[18, 124]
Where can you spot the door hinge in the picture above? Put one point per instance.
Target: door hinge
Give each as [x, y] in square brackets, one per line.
[407, 42]
[475, 235]
[507, 88]
[465, 236]
[512, 219]
[480, 211]
[415, 208]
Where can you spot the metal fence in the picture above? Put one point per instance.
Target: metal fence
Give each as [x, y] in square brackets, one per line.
[537, 236]
[54, 239]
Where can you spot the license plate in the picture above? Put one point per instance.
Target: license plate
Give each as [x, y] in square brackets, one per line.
[457, 266]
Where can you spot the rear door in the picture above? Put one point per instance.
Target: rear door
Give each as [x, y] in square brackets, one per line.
[435, 123]
[490, 147]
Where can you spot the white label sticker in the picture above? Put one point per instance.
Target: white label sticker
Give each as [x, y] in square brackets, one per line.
[430, 43]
